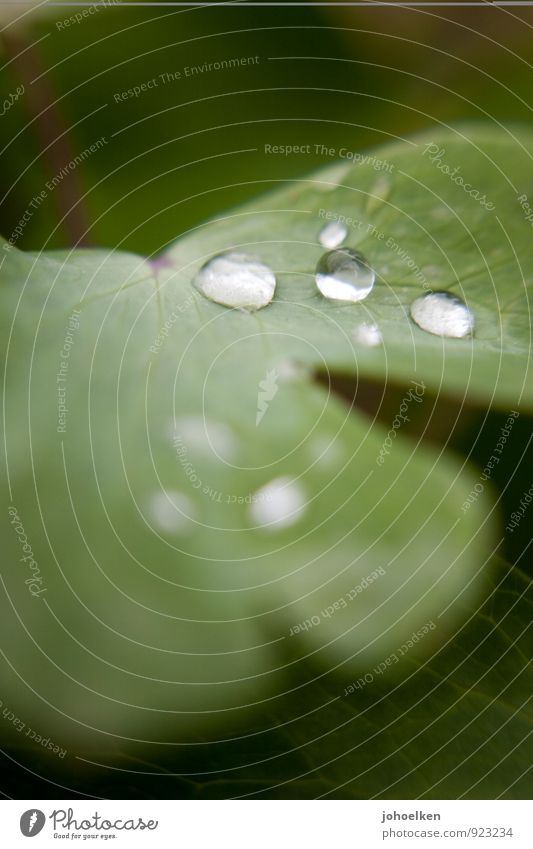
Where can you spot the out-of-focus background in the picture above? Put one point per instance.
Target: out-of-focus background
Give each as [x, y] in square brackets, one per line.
[193, 142]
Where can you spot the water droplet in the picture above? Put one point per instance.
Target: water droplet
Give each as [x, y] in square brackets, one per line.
[443, 314]
[333, 234]
[278, 504]
[292, 371]
[344, 275]
[378, 193]
[171, 510]
[236, 280]
[204, 436]
[327, 451]
[368, 334]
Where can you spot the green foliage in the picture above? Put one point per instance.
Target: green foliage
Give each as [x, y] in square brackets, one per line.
[150, 633]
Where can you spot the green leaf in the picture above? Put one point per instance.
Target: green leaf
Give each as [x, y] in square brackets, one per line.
[457, 725]
[157, 620]
[454, 726]
[420, 231]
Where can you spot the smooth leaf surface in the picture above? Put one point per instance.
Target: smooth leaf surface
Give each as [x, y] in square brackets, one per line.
[420, 231]
[162, 620]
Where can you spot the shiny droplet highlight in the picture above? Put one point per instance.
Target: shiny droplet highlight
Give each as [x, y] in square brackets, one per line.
[204, 437]
[443, 314]
[368, 334]
[378, 193]
[236, 280]
[333, 234]
[171, 511]
[278, 504]
[344, 275]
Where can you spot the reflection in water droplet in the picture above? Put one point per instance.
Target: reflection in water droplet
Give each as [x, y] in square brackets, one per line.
[333, 234]
[171, 510]
[344, 275]
[443, 314]
[204, 436]
[278, 504]
[368, 334]
[236, 280]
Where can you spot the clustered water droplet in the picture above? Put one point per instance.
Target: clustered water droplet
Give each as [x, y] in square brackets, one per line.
[236, 280]
[344, 275]
[443, 314]
[333, 234]
[278, 504]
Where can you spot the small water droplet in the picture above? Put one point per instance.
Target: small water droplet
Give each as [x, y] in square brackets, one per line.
[325, 450]
[278, 504]
[368, 334]
[333, 234]
[292, 371]
[443, 314]
[344, 275]
[204, 436]
[171, 511]
[236, 280]
[378, 193]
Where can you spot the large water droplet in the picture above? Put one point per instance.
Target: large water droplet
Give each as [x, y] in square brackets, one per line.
[333, 234]
[278, 504]
[368, 334]
[443, 314]
[171, 511]
[344, 275]
[236, 280]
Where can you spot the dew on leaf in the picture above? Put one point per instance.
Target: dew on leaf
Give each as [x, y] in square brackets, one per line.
[443, 314]
[170, 510]
[278, 504]
[368, 334]
[378, 193]
[333, 234]
[290, 371]
[236, 280]
[204, 436]
[325, 450]
[344, 275]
